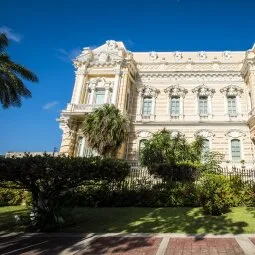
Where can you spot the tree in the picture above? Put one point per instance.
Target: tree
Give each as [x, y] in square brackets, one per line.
[12, 88]
[164, 147]
[48, 178]
[105, 130]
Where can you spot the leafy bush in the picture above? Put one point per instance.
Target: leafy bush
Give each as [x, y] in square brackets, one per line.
[101, 195]
[11, 196]
[180, 171]
[216, 195]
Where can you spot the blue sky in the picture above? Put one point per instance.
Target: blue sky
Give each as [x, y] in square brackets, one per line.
[46, 35]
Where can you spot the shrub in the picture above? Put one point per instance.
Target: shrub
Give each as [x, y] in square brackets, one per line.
[11, 196]
[216, 195]
[182, 171]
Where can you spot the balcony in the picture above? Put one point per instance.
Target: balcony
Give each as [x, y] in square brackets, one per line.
[82, 108]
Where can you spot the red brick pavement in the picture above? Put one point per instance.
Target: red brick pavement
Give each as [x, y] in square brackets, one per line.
[210, 246]
[122, 246]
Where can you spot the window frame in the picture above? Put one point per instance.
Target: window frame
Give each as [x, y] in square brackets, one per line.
[173, 99]
[232, 152]
[203, 99]
[148, 99]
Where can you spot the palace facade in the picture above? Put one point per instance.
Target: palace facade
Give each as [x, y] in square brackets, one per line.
[211, 94]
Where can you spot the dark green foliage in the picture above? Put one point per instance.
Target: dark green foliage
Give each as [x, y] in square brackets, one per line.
[216, 194]
[180, 171]
[163, 147]
[48, 177]
[105, 129]
[12, 88]
[101, 195]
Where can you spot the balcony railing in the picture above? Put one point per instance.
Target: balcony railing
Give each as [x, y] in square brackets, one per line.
[82, 107]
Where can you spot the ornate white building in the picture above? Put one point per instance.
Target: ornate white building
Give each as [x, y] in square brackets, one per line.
[211, 94]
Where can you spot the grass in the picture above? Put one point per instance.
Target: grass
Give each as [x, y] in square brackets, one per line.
[146, 220]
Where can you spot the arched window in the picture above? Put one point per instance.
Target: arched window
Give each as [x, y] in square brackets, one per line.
[235, 149]
[141, 144]
[147, 105]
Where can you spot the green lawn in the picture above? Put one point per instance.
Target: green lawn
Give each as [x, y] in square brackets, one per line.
[147, 220]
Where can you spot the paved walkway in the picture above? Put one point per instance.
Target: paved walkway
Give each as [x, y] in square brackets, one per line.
[131, 244]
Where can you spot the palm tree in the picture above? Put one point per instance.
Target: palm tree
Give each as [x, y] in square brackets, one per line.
[105, 130]
[12, 88]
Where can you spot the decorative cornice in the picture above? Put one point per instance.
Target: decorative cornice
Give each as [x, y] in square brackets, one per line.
[99, 83]
[176, 90]
[232, 90]
[203, 90]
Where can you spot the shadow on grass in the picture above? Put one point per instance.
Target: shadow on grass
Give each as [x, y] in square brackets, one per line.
[8, 222]
[153, 220]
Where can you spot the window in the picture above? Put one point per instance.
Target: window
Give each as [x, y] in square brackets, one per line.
[100, 95]
[232, 106]
[206, 146]
[175, 106]
[147, 103]
[235, 149]
[203, 106]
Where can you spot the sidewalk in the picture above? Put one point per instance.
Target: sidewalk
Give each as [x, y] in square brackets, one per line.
[125, 244]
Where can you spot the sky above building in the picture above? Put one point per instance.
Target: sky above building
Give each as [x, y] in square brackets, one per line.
[46, 35]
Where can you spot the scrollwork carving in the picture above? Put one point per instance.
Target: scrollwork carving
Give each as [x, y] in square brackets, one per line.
[203, 91]
[176, 90]
[232, 90]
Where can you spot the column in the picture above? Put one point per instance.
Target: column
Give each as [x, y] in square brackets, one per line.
[181, 107]
[139, 106]
[107, 93]
[116, 87]
[82, 147]
[238, 105]
[79, 81]
[92, 94]
[153, 106]
[210, 107]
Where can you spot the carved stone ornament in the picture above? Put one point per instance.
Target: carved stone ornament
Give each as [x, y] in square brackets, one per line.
[65, 123]
[77, 63]
[103, 56]
[176, 90]
[205, 133]
[235, 133]
[177, 55]
[203, 91]
[202, 55]
[148, 91]
[111, 45]
[99, 83]
[153, 55]
[232, 90]
[144, 134]
[227, 55]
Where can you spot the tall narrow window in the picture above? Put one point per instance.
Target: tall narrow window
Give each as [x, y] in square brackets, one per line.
[147, 105]
[235, 150]
[232, 106]
[203, 106]
[175, 106]
[100, 95]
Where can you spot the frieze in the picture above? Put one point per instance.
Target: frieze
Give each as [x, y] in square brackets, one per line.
[191, 66]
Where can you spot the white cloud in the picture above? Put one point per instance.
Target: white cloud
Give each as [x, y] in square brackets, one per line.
[10, 34]
[50, 105]
[68, 56]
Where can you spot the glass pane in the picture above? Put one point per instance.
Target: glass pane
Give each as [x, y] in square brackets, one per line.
[232, 105]
[235, 149]
[175, 105]
[203, 105]
[206, 146]
[100, 95]
[147, 103]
